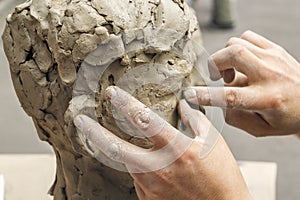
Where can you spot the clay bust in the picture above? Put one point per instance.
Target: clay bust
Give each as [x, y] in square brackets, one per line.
[52, 50]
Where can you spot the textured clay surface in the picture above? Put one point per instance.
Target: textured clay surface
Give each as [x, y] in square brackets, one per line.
[47, 42]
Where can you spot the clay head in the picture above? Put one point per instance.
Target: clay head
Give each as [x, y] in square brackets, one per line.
[64, 54]
[152, 64]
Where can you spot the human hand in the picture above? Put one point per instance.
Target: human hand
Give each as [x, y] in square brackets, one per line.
[216, 176]
[262, 90]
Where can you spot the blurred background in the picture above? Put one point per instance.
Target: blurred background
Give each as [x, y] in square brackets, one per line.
[275, 19]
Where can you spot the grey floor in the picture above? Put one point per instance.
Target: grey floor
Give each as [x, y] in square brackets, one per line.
[276, 19]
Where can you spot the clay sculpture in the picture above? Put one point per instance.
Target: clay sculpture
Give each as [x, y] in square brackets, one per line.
[53, 44]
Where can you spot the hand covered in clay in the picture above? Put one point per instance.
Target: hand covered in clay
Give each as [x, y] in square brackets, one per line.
[187, 177]
[262, 86]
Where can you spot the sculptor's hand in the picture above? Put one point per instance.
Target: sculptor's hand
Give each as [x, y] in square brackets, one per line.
[216, 176]
[263, 98]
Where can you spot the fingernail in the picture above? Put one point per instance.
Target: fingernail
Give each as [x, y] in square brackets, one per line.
[228, 75]
[183, 106]
[78, 121]
[111, 92]
[184, 111]
[190, 95]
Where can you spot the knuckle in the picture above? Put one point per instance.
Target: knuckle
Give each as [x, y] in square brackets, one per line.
[142, 118]
[279, 48]
[147, 121]
[276, 50]
[277, 101]
[114, 151]
[279, 52]
[166, 174]
[232, 41]
[235, 51]
[247, 34]
[232, 98]
[190, 156]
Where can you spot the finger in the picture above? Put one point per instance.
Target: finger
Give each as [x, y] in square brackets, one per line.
[250, 46]
[193, 119]
[236, 57]
[228, 75]
[112, 146]
[227, 97]
[146, 121]
[248, 121]
[205, 132]
[140, 193]
[240, 80]
[214, 73]
[257, 40]
[136, 159]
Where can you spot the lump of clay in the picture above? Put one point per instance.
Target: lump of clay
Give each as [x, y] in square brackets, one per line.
[64, 54]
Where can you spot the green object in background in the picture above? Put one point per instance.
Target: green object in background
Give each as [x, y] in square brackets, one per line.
[223, 13]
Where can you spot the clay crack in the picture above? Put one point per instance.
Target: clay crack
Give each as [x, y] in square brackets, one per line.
[29, 55]
[179, 3]
[155, 2]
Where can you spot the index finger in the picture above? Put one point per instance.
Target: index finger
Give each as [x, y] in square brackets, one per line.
[114, 147]
[236, 57]
[136, 159]
[257, 40]
[247, 98]
[143, 118]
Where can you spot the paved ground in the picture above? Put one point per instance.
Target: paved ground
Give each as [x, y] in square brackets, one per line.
[276, 19]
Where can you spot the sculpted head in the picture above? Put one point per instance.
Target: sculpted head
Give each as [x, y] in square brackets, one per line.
[64, 54]
[140, 46]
